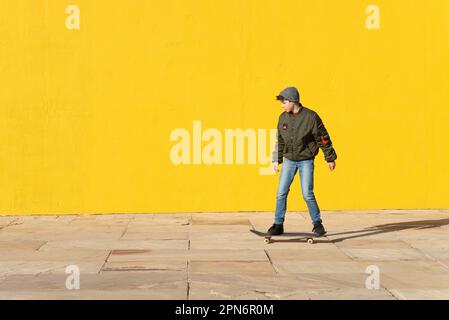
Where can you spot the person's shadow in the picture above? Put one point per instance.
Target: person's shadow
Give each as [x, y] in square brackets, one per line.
[369, 231]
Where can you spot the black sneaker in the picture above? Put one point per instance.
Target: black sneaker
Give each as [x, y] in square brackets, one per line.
[276, 229]
[318, 229]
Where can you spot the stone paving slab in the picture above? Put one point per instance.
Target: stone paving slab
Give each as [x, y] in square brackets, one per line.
[314, 267]
[360, 243]
[239, 267]
[411, 266]
[125, 294]
[9, 268]
[158, 235]
[102, 244]
[428, 243]
[315, 253]
[107, 285]
[436, 253]
[219, 221]
[152, 227]
[303, 286]
[47, 253]
[6, 221]
[343, 294]
[58, 234]
[384, 254]
[188, 255]
[210, 230]
[411, 294]
[149, 265]
[416, 280]
[437, 235]
[33, 245]
[215, 256]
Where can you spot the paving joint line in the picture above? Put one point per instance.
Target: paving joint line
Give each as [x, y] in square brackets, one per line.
[106, 260]
[271, 262]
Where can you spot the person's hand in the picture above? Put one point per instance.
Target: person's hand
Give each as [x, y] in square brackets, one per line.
[331, 165]
[276, 166]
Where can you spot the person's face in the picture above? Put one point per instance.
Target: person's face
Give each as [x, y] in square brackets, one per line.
[287, 105]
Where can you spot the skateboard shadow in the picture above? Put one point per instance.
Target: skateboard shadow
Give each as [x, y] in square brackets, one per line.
[388, 228]
[366, 232]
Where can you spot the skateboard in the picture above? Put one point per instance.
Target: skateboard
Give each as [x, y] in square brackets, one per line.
[309, 237]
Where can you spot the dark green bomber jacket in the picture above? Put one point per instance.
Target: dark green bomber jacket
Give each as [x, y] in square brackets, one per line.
[299, 137]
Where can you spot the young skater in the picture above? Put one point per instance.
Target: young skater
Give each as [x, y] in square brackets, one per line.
[300, 134]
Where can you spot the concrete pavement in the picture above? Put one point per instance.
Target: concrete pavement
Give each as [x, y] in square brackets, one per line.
[214, 256]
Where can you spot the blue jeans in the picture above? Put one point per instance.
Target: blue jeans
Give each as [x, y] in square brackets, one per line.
[287, 175]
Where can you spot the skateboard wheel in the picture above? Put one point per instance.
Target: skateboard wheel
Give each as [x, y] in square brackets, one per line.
[310, 241]
[267, 240]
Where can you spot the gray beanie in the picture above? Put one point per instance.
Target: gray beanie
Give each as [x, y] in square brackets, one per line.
[290, 94]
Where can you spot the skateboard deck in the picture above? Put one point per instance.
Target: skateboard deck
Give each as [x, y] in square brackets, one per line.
[308, 237]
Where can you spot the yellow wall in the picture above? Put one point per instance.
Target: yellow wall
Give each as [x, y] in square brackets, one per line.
[86, 115]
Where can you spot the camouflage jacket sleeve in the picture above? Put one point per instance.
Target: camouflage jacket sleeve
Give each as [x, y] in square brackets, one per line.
[323, 139]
